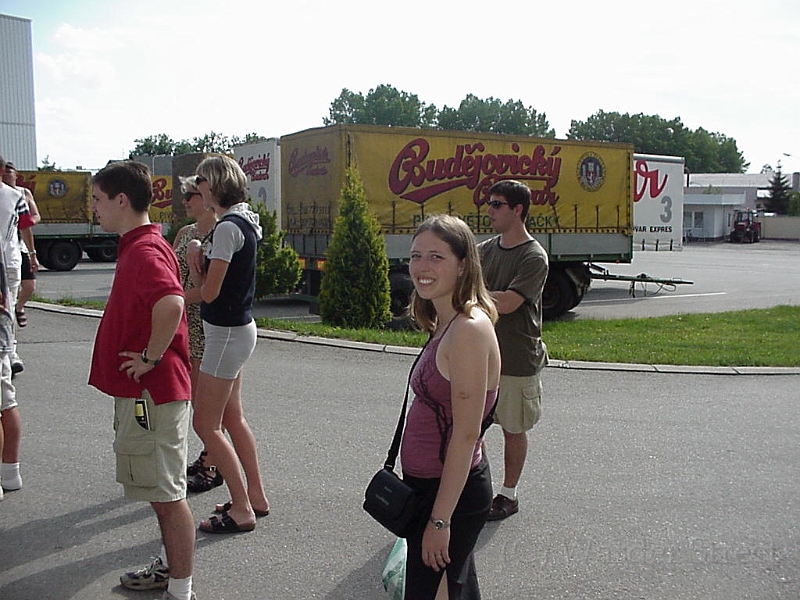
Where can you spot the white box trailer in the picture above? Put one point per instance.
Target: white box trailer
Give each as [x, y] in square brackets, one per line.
[261, 163]
[657, 202]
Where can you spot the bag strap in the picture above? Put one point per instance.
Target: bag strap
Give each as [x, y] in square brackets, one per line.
[394, 449]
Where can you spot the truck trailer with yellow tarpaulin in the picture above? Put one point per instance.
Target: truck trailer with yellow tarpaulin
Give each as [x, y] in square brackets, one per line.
[68, 227]
[581, 209]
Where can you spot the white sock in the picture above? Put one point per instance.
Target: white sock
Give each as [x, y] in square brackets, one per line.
[180, 588]
[163, 556]
[510, 493]
[9, 474]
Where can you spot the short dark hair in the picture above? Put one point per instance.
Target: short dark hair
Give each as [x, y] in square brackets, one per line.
[127, 177]
[515, 193]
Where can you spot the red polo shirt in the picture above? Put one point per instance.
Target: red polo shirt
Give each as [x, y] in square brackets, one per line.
[147, 270]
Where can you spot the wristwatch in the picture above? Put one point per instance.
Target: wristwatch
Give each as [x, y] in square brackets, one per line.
[149, 361]
[438, 523]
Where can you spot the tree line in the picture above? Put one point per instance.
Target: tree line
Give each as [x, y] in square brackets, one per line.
[704, 151]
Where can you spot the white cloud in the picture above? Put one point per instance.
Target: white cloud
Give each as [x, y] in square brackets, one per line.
[274, 68]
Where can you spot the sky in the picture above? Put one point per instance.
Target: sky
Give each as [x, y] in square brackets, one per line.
[108, 72]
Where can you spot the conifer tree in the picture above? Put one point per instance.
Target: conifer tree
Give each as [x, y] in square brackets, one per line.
[354, 291]
[779, 188]
[277, 268]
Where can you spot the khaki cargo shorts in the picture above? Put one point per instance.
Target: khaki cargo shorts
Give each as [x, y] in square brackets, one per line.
[519, 403]
[151, 448]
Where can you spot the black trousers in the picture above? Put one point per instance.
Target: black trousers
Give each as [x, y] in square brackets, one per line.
[466, 524]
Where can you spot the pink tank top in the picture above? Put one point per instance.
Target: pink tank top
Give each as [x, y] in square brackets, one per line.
[429, 423]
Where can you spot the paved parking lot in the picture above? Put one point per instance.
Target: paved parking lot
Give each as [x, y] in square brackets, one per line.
[726, 277]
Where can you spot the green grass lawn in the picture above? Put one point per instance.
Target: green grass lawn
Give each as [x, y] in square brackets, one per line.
[764, 338]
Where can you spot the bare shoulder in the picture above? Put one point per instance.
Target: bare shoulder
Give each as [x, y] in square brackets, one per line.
[473, 328]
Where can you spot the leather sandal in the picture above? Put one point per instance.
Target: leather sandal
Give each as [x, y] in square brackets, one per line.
[22, 318]
[198, 465]
[224, 524]
[225, 507]
[205, 480]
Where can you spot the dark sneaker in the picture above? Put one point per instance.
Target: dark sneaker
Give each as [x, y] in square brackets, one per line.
[154, 576]
[502, 508]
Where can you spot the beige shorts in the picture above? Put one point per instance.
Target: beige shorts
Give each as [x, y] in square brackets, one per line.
[151, 451]
[518, 403]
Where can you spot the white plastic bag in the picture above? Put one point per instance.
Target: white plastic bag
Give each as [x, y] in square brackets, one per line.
[394, 573]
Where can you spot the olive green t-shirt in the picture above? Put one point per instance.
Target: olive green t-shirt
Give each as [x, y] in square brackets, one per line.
[522, 269]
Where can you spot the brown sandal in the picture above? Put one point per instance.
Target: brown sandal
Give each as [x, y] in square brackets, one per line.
[225, 507]
[224, 524]
[206, 480]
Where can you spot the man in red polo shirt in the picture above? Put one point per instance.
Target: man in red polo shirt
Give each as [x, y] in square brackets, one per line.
[141, 357]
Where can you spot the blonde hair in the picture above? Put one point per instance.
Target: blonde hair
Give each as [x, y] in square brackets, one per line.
[470, 291]
[227, 181]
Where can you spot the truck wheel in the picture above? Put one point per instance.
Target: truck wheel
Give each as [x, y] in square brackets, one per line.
[558, 295]
[108, 251]
[401, 288]
[64, 255]
[105, 252]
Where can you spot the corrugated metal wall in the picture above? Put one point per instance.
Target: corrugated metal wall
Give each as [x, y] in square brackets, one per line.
[17, 108]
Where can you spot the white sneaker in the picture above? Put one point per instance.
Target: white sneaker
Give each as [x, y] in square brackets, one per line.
[12, 485]
[168, 596]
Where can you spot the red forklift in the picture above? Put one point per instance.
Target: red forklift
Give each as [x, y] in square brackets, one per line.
[746, 226]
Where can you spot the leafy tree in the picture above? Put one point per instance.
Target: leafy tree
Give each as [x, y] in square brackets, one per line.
[277, 267]
[779, 188]
[47, 165]
[650, 134]
[153, 145]
[384, 105]
[491, 115]
[161, 144]
[212, 142]
[355, 287]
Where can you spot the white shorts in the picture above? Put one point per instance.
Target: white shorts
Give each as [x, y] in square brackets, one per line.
[227, 349]
[8, 391]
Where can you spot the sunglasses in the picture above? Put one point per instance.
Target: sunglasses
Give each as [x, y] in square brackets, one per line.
[189, 195]
[496, 203]
[198, 179]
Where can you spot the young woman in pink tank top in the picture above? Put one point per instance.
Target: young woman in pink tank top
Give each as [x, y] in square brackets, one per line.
[455, 386]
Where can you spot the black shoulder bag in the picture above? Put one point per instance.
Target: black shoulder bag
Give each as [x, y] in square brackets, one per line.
[388, 499]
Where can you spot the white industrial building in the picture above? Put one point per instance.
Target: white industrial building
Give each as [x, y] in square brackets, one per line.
[17, 110]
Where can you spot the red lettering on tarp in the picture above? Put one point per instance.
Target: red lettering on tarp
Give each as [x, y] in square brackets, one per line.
[313, 162]
[470, 167]
[162, 197]
[256, 168]
[644, 180]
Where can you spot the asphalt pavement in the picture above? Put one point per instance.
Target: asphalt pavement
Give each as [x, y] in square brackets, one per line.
[640, 483]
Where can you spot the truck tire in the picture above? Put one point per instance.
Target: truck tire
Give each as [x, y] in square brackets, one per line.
[401, 287]
[558, 296]
[63, 255]
[105, 252]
